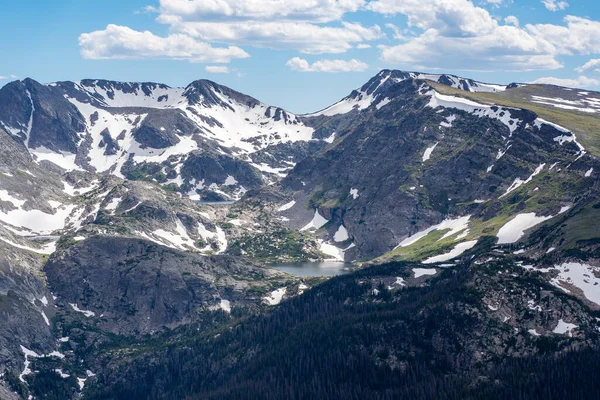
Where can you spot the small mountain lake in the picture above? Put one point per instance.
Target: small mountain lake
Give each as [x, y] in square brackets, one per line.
[320, 268]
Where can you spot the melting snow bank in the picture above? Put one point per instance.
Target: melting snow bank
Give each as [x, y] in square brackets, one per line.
[514, 230]
[275, 297]
[28, 353]
[564, 327]
[518, 182]
[341, 235]
[455, 252]
[84, 312]
[317, 222]
[287, 206]
[428, 151]
[454, 225]
[568, 137]
[419, 272]
[582, 276]
[477, 109]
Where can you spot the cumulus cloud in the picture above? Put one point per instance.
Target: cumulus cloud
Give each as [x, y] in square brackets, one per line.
[301, 36]
[594, 63]
[467, 37]
[512, 20]
[579, 36]
[307, 26]
[121, 42]
[216, 69]
[507, 48]
[555, 5]
[580, 82]
[304, 10]
[299, 64]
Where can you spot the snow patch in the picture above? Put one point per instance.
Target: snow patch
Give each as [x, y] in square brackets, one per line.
[455, 252]
[317, 222]
[275, 297]
[287, 206]
[565, 327]
[428, 151]
[341, 235]
[513, 230]
[419, 272]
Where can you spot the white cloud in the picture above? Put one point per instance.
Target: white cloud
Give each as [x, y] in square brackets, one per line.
[579, 36]
[580, 82]
[210, 10]
[363, 46]
[512, 20]
[458, 18]
[121, 42]
[592, 64]
[460, 35]
[216, 69]
[495, 3]
[299, 64]
[507, 48]
[555, 5]
[304, 37]
[3, 77]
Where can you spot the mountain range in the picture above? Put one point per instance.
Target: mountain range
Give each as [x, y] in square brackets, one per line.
[138, 223]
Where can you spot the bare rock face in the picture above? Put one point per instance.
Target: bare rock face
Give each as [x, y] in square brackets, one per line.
[132, 286]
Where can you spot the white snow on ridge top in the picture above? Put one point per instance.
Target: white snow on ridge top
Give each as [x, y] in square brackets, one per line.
[159, 97]
[502, 114]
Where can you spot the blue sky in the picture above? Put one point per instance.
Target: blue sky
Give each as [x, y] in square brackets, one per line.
[302, 55]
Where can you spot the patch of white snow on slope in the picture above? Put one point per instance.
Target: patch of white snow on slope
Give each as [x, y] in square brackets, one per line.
[453, 225]
[341, 235]
[419, 272]
[317, 222]
[336, 253]
[87, 313]
[514, 230]
[275, 297]
[589, 172]
[28, 353]
[583, 276]
[518, 182]
[477, 109]
[428, 151]
[287, 206]
[565, 327]
[37, 221]
[455, 252]
[354, 193]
